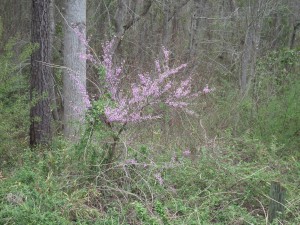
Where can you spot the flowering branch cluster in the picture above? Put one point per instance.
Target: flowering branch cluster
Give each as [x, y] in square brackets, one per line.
[85, 41]
[112, 74]
[149, 91]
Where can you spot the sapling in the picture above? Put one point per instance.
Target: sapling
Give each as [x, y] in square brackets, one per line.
[151, 91]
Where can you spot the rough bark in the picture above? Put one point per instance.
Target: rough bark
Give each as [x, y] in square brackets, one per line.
[40, 113]
[251, 43]
[74, 80]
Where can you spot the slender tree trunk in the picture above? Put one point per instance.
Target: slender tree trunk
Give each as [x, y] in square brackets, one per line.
[74, 87]
[40, 113]
[198, 6]
[251, 43]
[166, 32]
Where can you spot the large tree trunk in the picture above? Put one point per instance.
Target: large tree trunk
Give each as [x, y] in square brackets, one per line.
[74, 87]
[40, 113]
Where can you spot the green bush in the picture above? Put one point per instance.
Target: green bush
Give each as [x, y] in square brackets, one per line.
[277, 95]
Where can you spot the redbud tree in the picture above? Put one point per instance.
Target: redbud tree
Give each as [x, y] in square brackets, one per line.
[140, 102]
[151, 90]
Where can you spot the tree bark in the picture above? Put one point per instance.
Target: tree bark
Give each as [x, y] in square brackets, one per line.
[40, 113]
[52, 92]
[74, 80]
[251, 43]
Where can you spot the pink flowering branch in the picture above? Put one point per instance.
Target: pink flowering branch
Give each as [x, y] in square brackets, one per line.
[85, 41]
[112, 74]
[207, 90]
[150, 90]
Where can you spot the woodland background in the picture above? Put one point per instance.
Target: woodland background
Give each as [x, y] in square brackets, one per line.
[215, 167]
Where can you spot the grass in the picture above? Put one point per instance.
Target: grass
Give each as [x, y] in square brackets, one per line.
[217, 185]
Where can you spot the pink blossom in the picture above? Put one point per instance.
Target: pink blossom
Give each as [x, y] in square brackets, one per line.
[184, 89]
[206, 89]
[112, 74]
[82, 38]
[130, 162]
[157, 65]
[166, 58]
[159, 178]
[81, 88]
[148, 91]
[187, 152]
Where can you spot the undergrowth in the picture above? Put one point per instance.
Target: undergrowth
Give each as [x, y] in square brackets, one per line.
[220, 185]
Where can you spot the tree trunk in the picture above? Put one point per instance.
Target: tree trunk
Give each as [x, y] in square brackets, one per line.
[74, 87]
[122, 24]
[40, 113]
[165, 31]
[251, 44]
[198, 7]
[52, 92]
